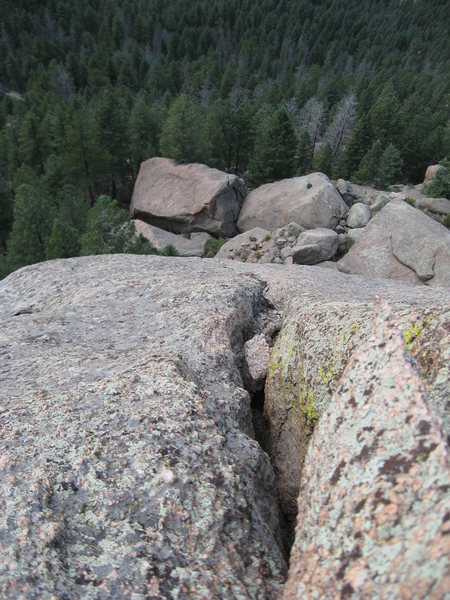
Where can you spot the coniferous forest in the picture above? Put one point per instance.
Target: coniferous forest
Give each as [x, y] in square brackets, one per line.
[358, 89]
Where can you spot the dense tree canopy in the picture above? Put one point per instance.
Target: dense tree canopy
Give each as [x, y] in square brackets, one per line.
[89, 89]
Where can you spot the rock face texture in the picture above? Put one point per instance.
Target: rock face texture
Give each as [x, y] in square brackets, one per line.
[126, 470]
[311, 201]
[128, 467]
[159, 238]
[186, 198]
[373, 522]
[400, 242]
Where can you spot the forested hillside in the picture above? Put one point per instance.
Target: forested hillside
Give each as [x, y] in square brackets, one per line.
[355, 88]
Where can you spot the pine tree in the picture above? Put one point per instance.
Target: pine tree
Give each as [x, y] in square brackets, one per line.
[304, 153]
[85, 160]
[389, 167]
[181, 134]
[72, 208]
[358, 145]
[143, 132]
[385, 116]
[110, 231]
[274, 154]
[6, 212]
[323, 160]
[31, 142]
[33, 218]
[440, 185]
[64, 241]
[370, 163]
[110, 120]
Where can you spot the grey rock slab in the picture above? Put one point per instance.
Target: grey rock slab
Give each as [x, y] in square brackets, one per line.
[400, 242]
[358, 216]
[126, 464]
[184, 198]
[314, 246]
[311, 201]
[372, 503]
[159, 238]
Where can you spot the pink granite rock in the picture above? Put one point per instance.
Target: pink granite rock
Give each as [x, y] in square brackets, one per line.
[187, 197]
[373, 503]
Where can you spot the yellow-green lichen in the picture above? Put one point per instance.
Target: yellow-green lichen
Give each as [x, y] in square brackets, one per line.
[287, 366]
[411, 334]
[414, 331]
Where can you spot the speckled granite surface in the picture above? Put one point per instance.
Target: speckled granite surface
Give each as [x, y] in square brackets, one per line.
[127, 467]
[374, 504]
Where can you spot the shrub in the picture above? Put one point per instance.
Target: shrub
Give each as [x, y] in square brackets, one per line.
[213, 246]
[440, 185]
[169, 250]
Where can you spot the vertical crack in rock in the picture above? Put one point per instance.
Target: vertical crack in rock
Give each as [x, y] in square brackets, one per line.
[256, 357]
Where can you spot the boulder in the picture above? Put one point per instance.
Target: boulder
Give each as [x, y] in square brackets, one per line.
[261, 246]
[183, 198]
[415, 197]
[345, 189]
[378, 203]
[401, 242]
[371, 502]
[311, 201]
[431, 173]
[358, 216]
[438, 206]
[159, 238]
[247, 246]
[314, 246]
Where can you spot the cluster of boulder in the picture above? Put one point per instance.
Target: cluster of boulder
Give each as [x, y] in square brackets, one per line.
[305, 220]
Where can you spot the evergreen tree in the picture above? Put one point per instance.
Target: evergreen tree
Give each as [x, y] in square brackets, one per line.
[304, 153]
[181, 134]
[389, 167]
[143, 131]
[6, 212]
[85, 159]
[358, 145]
[31, 142]
[110, 231]
[33, 218]
[323, 160]
[111, 124]
[72, 208]
[385, 116]
[274, 154]
[440, 185]
[370, 164]
[64, 241]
